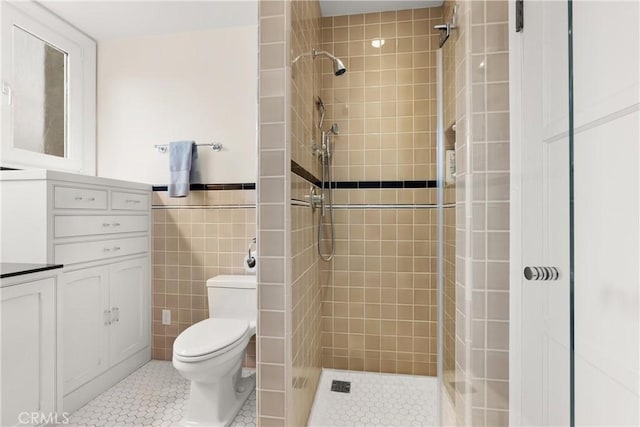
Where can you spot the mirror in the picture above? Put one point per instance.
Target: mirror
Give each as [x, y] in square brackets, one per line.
[39, 95]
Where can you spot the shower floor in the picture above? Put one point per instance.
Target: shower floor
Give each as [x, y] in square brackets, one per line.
[154, 395]
[375, 400]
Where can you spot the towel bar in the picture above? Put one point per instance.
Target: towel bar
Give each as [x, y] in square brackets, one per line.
[163, 148]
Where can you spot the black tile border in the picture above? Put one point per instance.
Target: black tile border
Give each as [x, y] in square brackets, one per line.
[213, 187]
[362, 185]
[304, 174]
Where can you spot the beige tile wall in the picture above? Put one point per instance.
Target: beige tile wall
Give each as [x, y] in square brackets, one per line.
[379, 296]
[385, 105]
[274, 215]
[305, 83]
[195, 238]
[490, 210]
[482, 110]
[306, 303]
[305, 285]
[379, 309]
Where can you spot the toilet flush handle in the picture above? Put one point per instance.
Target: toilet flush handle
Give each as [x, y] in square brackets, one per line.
[251, 260]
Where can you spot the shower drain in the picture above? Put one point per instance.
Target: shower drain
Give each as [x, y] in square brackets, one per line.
[341, 386]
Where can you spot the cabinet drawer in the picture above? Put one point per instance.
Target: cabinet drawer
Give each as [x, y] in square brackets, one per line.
[71, 253]
[79, 198]
[129, 201]
[84, 225]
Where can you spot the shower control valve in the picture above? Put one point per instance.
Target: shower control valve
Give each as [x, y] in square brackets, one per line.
[318, 151]
[315, 200]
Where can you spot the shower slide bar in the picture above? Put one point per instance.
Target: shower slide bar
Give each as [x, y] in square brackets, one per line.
[163, 148]
[387, 206]
[304, 203]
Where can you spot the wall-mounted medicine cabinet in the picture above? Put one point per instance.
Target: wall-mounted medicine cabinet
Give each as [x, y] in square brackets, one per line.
[48, 81]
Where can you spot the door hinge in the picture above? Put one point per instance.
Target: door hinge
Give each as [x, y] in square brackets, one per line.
[519, 15]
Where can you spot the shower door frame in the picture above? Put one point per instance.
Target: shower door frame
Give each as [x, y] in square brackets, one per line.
[440, 204]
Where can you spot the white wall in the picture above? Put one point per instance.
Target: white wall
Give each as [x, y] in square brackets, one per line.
[198, 86]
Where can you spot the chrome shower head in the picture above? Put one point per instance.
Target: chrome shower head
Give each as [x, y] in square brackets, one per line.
[338, 67]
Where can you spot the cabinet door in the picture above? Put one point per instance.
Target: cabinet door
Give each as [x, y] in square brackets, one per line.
[27, 313]
[129, 298]
[85, 324]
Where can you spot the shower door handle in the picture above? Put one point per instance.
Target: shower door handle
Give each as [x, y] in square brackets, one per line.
[541, 273]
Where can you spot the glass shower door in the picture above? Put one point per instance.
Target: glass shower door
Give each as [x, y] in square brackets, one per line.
[541, 277]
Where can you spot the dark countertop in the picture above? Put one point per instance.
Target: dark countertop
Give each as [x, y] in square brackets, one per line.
[11, 269]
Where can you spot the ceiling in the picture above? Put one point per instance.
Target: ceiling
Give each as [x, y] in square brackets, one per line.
[106, 20]
[113, 19]
[350, 7]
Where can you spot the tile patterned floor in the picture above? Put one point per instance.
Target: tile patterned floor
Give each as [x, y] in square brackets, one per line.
[154, 395]
[375, 400]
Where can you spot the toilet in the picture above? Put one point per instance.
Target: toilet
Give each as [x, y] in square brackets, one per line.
[210, 353]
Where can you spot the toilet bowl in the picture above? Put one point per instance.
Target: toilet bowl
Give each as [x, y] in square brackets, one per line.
[210, 353]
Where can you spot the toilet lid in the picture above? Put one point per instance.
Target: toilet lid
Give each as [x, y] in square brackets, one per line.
[209, 336]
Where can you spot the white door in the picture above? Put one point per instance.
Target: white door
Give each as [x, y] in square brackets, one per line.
[129, 305]
[27, 362]
[85, 325]
[606, 224]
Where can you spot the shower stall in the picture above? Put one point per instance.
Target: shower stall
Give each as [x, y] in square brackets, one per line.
[426, 262]
[372, 271]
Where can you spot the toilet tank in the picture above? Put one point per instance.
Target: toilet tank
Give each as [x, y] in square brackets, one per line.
[233, 297]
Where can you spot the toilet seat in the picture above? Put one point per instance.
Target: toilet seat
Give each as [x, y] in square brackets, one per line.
[210, 338]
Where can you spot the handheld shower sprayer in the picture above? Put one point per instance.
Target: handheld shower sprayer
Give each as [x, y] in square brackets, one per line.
[321, 110]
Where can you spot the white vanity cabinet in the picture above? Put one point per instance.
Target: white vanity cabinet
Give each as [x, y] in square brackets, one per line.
[129, 303]
[28, 360]
[100, 230]
[84, 296]
[105, 318]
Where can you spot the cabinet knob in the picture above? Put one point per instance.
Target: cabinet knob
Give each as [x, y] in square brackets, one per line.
[116, 224]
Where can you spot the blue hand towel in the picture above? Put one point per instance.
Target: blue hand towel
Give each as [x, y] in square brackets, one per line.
[183, 165]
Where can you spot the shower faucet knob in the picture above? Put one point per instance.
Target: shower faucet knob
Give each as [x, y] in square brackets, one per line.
[315, 200]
